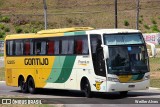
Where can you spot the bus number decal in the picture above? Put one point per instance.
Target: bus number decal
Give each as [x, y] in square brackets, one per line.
[11, 62]
[36, 61]
[98, 85]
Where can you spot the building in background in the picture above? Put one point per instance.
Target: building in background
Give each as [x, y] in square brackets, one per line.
[152, 38]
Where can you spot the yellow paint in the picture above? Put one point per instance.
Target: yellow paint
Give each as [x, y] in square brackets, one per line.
[63, 30]
[124, 78]
[98, 85]
[83, 64]
[19, 68]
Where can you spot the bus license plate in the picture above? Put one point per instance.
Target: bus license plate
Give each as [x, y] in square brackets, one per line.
[131, 86]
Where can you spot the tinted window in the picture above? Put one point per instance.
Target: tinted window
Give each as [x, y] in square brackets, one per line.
[19, 47]
[81, 45]
[40, 47]
[10, 47]
[121, 39]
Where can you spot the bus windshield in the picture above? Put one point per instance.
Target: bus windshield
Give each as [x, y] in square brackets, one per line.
[127, 58]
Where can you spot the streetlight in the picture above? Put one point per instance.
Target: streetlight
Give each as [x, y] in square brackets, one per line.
[137, 16]
[116, 25]
[45, 13]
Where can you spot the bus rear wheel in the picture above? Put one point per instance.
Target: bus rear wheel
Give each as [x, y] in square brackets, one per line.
[23, 85]
[31, 86]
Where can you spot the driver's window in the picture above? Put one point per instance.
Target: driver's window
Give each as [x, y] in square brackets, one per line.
[95, 43]
[97, 55]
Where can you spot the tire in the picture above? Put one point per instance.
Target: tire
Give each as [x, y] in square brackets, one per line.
[123, 93]
[87, 89]
[31, 86]
[23, 85]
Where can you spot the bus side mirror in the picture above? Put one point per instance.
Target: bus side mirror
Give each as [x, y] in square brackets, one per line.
[105, 51]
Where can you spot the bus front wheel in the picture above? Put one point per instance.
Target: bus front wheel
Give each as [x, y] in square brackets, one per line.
[87, 89]
[123, 93]
[23, 85]
[31, 86]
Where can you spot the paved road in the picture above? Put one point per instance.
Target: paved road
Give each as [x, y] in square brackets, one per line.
[62, 97]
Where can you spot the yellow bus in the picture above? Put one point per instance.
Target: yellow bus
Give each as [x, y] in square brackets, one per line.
[80, 58]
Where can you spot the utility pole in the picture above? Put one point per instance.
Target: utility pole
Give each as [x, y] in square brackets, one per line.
[137, 16]
[116, 25]
[45, 13]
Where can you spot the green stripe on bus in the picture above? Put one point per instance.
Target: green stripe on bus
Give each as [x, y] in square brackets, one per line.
[66, 69]
[74, 33]
[80, 33]
[56, 69]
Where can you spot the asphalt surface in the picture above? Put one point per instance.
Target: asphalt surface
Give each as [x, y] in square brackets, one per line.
[76, 98]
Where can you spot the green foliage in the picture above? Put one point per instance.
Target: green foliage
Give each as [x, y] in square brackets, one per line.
[5, 19]
[33, 30]
[158, 17]
[153, 21]
[2, 34]
[126, 23]
[26, 31]
[154, 28]
[140, 21]
[18, 30]
[7, 29]
[146, 26]
[141, 16]
[2, 26]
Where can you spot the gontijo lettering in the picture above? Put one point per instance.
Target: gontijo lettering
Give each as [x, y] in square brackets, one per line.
[36, 61]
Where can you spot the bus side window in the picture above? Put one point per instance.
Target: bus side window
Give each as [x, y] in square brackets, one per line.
[68, 46]
[64, 46]
[40, 47]
[81, 45]
[57, 47]
[27, 48]
[19, 47]
[71, 46]
[78, 47]
[50, 48]
[10, 48]
[85, 48]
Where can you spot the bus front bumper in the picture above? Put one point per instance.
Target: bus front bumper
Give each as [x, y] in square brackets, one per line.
[117, 86]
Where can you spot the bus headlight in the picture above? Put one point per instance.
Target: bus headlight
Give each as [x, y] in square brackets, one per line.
[113, 79]
[147, 77]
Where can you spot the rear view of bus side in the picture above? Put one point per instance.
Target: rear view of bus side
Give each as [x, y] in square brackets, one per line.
[80, 58]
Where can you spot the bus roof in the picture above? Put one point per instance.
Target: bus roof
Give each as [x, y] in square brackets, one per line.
[60, 32]
[112, 31]
[63, 30]
[19, 36]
